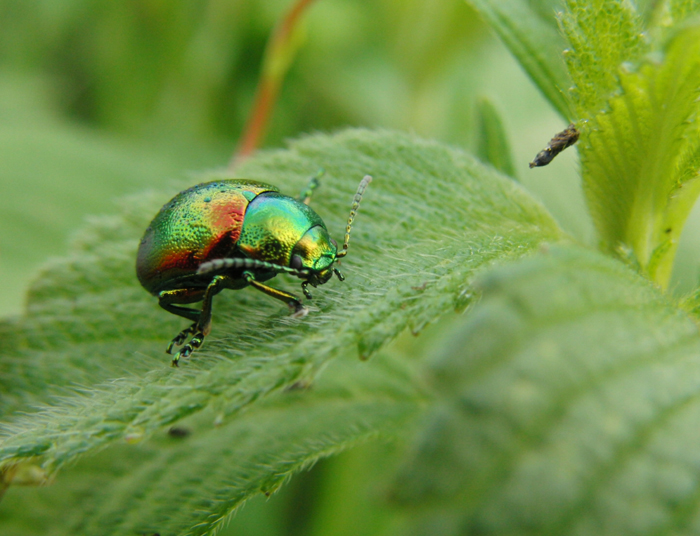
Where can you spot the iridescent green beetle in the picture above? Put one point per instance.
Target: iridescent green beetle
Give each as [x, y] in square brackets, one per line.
[232, 233]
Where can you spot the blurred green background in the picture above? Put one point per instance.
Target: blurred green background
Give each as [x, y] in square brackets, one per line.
[99, 99]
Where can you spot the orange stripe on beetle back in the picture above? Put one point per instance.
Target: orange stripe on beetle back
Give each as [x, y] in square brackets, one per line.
[226, 216]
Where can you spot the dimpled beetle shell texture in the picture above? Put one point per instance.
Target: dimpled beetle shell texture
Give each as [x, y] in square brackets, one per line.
[200, 223]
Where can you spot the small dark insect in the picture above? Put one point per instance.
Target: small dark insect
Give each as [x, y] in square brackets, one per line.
[566, 138]
[179, 432]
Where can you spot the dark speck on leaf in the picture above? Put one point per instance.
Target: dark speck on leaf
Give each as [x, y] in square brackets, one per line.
[179, 432]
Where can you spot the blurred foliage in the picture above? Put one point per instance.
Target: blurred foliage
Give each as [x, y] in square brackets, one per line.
[93, 90]
[564, 402]
[187, 69]
[88, 322]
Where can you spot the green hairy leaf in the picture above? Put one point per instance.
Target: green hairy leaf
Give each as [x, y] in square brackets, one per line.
[432, 216]
[256, 453]
[602, 35]
[567, 403]
[641, 156]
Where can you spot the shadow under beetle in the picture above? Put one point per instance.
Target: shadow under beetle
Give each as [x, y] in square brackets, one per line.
[232, 233]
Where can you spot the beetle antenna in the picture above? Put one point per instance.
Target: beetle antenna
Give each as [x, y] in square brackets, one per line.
[248, 264]
[353, 212]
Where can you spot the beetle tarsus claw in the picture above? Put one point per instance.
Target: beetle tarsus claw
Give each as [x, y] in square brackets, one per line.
[194, 344]
[180, 338]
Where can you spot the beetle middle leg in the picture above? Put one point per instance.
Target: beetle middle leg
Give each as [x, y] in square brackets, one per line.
[294, 303]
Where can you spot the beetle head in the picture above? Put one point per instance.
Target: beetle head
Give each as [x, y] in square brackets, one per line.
[315, 254]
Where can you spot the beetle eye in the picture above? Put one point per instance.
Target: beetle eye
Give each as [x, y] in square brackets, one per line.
[334, 243]
[296, 262]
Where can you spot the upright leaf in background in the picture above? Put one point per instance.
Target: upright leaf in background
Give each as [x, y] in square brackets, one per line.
[640, 145]
[636, 80]
[493, 142]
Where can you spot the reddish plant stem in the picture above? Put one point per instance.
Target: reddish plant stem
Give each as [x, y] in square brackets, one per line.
[275, 66]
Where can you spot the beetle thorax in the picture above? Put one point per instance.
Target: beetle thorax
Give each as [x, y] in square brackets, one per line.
[277, 228]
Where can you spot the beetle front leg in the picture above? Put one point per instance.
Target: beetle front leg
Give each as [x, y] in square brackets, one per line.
[168, 300]
[294, 303]
[202, 327]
